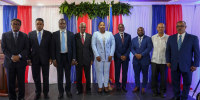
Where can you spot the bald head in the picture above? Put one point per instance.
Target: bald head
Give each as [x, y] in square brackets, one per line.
[161, 28]
[181, 27]
[82, 27]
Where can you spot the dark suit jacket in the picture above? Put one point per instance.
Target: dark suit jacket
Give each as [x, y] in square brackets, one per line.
[184, 57]
[144, 50]
[9, 48]
[56, 45]
[122, 48]
[40, 53]
[84, 53]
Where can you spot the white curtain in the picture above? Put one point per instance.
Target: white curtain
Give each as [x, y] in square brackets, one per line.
[141, 16]
[51, 17]
[191, 15]
[196, 31]
[1, 21]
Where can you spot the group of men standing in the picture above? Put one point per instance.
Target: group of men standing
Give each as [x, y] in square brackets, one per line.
[40, 48]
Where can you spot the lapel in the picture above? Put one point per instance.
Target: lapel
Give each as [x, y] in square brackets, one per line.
[184, 41]
[79, 38]
[175, 42]
[99, 36]
[19, 38]
[86, 38]
[58, 34]
[36, 38]
[43, 36]
[119, 38]
[12, 38]
[68, 38]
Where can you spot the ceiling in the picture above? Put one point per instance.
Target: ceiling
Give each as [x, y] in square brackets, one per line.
[59, 2]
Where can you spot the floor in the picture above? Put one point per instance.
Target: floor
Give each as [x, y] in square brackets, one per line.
[114, 95]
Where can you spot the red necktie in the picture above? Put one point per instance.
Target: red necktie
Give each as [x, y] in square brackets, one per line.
[122, 38]
[82, 38]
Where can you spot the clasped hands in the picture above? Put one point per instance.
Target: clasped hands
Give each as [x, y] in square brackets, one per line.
[15, 58]
[99, 58]
[138, 56]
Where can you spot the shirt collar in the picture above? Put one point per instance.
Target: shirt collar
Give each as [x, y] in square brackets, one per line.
[62, 31]
[121, 33]
[39, 31]
[162, 36]
[140, 37]
[182, 34]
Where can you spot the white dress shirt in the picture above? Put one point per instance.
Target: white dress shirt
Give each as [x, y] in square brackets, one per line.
[84, 35]
[159, 48]
[65, 40]
[182, 38]
[38, 33]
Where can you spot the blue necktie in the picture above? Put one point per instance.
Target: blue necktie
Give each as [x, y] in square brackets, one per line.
[39, 37]
[63, 48]
[140, 41]
[179, 42]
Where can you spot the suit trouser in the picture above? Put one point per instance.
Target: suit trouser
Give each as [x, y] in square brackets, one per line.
[187, 79]
[102, 72]
[13, 72]
[137, 69]
[64, 65]
[156, 69]
[37, 77]
[118, 64]
[79, 77]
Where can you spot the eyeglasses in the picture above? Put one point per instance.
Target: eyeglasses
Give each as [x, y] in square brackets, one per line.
[180, 26]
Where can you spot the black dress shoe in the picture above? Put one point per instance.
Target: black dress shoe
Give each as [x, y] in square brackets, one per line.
[69, 94]
[46, 96]
[124, 89]
[37, 96]
[79, 92]
[60, 96]
[175, 98]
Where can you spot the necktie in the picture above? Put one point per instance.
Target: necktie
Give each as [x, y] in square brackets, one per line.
[39, 37]
[15, 37]
[122, 36]
[179, 42]
[140, 41]
[82, 38]
[63, 48]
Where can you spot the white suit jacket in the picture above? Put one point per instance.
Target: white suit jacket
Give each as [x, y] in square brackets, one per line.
[98, 46]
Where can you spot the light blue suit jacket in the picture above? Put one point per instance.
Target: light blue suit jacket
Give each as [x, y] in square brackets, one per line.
[98, 46]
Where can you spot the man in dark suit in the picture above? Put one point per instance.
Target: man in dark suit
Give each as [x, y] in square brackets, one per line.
[84, 57]
[39, 56]
[182, 56]
[15, 48]
[141, 48]
[63, 56]
[121, 57]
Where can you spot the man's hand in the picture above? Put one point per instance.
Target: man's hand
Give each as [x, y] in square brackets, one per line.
[91, 63]
[169, 65]
[123, 58]
[29, 62]
[55, 63]
[50, 61]
[109, 58]
[138, 56]
[98, 58]
[15, 58]
[74, 62]
[193, 68]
